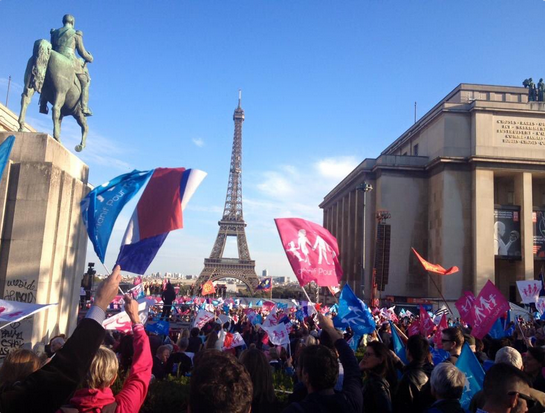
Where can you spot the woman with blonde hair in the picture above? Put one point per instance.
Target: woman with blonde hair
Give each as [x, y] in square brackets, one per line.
[97, 394]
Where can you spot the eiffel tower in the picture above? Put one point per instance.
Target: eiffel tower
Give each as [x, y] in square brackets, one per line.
[232, 224]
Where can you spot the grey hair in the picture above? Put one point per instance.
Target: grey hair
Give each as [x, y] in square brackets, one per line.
[447, 381]
[509, 355]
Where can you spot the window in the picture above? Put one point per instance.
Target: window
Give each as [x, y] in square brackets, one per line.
[415, 150]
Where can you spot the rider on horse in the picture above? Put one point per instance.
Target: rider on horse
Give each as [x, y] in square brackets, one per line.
[66, 41]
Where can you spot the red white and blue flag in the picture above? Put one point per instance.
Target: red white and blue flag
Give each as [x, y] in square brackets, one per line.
[158, 212]
[266, 284]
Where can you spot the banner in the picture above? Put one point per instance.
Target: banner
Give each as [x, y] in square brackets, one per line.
[538, 220]
[202, 318]
[507, 243]
[312, 251]
[426, 324]
[354, 313]
[465, 306]
[5, 150]
[469, 365]
[529, 290]
[13, 311]
[160, 327]
[488, 307]
[122, 322]
[279, 334]
[435, 268]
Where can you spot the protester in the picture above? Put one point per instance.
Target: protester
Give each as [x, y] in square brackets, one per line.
[17, 365]
[377, 366]
[447, 386]
[534, 362]
[274, 362]
[160, 370]
[195, 342]
[452, 340]
[103, 372]
[319, 370]
[48, 388]
[506, 390]
[414, 392]
[179, 363]
[264, 400]
[219, 384]
[168, 296]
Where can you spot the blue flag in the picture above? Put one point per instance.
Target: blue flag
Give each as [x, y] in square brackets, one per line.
[160, 327]
[299, 315]
[5, 150]
[259, 303]
[101, 207]
[470, 366]
[354, 342]
[438, 355]
[282, 306]
[334, 308]
[353, 313]
[399, 348]
[497, 330]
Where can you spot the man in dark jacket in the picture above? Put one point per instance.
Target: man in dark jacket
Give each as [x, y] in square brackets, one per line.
[47, 389]
[414, 391]
[319, 372]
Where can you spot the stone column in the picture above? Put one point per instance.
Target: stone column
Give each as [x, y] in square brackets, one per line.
[523, 195]
[483, 227]
[43, 241]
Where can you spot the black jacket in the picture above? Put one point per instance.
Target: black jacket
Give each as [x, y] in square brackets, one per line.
[47, 389]
[446, 406]
[414, 391]
[376, 395]
[346, 401]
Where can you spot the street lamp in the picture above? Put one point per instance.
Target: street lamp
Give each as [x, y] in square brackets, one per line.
[365, 187]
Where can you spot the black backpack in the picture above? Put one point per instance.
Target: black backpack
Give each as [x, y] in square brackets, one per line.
[109, 408]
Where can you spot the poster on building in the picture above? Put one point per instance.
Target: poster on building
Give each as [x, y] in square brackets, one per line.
[538, 221]
[507, 243]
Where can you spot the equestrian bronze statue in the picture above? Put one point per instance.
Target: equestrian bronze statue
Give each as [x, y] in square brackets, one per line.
[60, 77]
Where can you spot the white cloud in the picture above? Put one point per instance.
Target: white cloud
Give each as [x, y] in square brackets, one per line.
[337, 168]
[198, 142]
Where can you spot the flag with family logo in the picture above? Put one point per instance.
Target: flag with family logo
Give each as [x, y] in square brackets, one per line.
[465, 307]
[159, 211]
[312, 251]
[489, 305]
[529, 290]
[353, 313]
[426, 324]
[469, 365]
[13, 311]
[101, 207]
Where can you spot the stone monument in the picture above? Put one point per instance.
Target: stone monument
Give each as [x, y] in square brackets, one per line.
[43, 241]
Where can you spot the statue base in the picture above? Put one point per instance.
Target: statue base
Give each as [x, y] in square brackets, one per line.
[43, 240]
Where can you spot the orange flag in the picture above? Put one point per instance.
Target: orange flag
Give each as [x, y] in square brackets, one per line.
[208, 288]
[435, 268]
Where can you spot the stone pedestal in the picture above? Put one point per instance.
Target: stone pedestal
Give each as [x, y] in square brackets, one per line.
[43, 240]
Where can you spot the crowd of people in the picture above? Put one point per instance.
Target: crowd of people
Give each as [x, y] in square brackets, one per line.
[330, 372]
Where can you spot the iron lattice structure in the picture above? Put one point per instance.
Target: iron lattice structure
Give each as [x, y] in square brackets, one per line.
[232, 224]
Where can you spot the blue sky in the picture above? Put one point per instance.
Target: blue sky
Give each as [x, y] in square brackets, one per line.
[325, 85]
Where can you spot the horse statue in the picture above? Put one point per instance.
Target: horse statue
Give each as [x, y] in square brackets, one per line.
[52, 75]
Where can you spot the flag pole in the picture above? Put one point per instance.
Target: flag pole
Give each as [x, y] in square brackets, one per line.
[440, 292]
[108, 274]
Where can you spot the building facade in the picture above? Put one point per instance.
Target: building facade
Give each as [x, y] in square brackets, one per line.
[465, 186]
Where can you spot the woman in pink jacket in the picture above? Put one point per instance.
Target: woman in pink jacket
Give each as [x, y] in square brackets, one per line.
[97, 396]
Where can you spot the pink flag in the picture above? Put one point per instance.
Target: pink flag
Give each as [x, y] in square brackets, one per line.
[438, 337]
[465, 306]
[311, 250]
[488, 306]
[426, 323]
[414, 328]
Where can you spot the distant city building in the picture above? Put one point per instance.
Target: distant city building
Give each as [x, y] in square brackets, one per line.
[265, 273]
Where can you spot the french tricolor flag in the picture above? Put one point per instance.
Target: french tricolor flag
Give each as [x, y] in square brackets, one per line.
[158, 212]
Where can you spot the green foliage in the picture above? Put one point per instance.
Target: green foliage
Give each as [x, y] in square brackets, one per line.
[283, 386]
[169, 395]
[360, 352]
